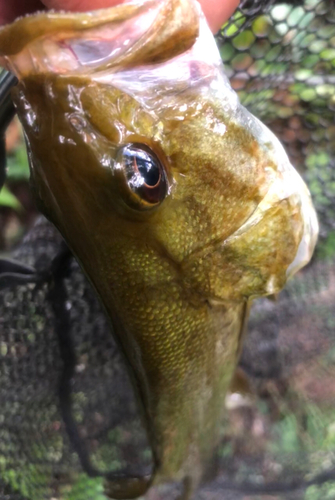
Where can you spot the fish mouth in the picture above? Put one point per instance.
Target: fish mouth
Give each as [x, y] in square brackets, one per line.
[122, 36]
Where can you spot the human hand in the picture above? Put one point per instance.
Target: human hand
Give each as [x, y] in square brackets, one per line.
[216, 11]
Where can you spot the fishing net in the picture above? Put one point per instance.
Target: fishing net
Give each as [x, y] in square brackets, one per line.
[68, 417]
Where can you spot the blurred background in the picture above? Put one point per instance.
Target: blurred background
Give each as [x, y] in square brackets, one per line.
[278, 438]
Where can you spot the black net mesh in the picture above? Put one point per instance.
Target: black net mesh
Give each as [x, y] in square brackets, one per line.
[67, 412]
[281, 62]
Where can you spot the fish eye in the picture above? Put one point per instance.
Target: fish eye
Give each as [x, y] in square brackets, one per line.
[144, 174]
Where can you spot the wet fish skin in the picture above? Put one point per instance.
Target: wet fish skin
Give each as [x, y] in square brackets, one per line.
[176, 279]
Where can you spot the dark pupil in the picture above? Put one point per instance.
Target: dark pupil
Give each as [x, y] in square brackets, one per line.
[144, 174]
[148, 170]
[141, 162]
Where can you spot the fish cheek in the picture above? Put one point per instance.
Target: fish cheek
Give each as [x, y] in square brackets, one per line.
[252, 263]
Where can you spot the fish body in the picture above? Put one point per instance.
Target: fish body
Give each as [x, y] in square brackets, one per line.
[180, 206]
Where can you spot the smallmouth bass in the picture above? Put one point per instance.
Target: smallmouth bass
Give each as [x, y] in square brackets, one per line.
[180, 206]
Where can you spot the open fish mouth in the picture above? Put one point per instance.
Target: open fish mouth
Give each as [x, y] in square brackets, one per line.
[83, 43]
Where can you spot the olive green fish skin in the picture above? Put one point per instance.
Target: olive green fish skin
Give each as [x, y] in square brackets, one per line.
[159, 273]
[183, 350]
[176, 280]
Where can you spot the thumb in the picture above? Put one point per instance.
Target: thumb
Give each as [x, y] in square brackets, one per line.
[216, 11]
